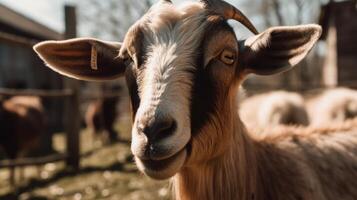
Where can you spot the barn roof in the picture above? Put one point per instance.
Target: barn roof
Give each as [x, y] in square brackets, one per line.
[15, 23]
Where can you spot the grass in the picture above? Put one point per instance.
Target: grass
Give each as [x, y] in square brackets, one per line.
[109, 173]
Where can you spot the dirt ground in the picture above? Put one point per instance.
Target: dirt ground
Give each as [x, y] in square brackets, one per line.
[109, 173]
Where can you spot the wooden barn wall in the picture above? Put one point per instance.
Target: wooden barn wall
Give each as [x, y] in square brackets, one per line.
[346, 24]
[20, 64]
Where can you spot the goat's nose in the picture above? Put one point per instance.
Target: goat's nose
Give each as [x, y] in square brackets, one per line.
[159, 129]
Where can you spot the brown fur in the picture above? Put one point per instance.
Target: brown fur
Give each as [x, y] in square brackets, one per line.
[219, 170]
[288, 163]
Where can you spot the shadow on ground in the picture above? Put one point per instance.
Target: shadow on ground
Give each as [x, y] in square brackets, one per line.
[35, 183]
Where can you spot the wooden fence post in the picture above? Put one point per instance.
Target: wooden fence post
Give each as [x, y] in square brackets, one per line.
[71, 114]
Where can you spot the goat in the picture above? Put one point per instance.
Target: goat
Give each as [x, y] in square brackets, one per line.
[101, 115]
[183, 66]
[337, 104]
[274, 108]
[22, 124]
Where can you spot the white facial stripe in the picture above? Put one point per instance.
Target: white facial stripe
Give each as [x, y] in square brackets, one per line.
[167, 79]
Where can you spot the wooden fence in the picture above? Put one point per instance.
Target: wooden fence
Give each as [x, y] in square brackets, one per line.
[72, 155]
[71, 96]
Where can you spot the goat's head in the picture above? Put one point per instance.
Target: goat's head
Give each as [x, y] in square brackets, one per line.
[181, 66]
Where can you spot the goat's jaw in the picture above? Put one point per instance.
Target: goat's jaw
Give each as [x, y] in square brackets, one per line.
[169, 158]
[162, 169]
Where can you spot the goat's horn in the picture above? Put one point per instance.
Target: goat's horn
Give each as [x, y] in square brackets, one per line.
[229, 12]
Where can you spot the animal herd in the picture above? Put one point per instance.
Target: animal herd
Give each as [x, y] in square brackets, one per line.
[183, 67]
[291, 108]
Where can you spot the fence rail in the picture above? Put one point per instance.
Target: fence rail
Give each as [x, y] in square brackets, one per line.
[54, 93]
[59, 157]
[21, 162]
[35, 92]
[61, 93]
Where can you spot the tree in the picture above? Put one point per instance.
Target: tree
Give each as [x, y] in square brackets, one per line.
[289, 12]
[110, 19]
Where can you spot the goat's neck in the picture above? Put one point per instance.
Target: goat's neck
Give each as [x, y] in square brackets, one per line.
[231, 173]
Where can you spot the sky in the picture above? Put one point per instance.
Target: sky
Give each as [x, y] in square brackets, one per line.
[47, 12]
[50, 12]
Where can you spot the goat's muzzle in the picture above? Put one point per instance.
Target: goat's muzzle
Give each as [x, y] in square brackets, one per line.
[158, 147]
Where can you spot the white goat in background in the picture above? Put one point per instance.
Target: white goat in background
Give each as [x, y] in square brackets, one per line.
[274, 108]
[333, 105]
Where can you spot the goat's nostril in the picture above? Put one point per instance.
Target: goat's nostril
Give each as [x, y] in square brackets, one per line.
[160, 129]
[165, 130]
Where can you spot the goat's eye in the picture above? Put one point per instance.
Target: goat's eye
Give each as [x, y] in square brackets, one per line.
[227, 57]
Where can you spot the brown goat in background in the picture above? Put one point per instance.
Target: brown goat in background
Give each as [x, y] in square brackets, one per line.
[22, 124]
[100, 117]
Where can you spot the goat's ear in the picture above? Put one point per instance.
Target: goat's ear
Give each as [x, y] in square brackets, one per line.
[84, 58]
[277, 49]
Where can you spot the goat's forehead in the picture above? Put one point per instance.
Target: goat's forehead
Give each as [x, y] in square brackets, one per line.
[165, 18]
[173, 34]
[174, 13]
[171, 38]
